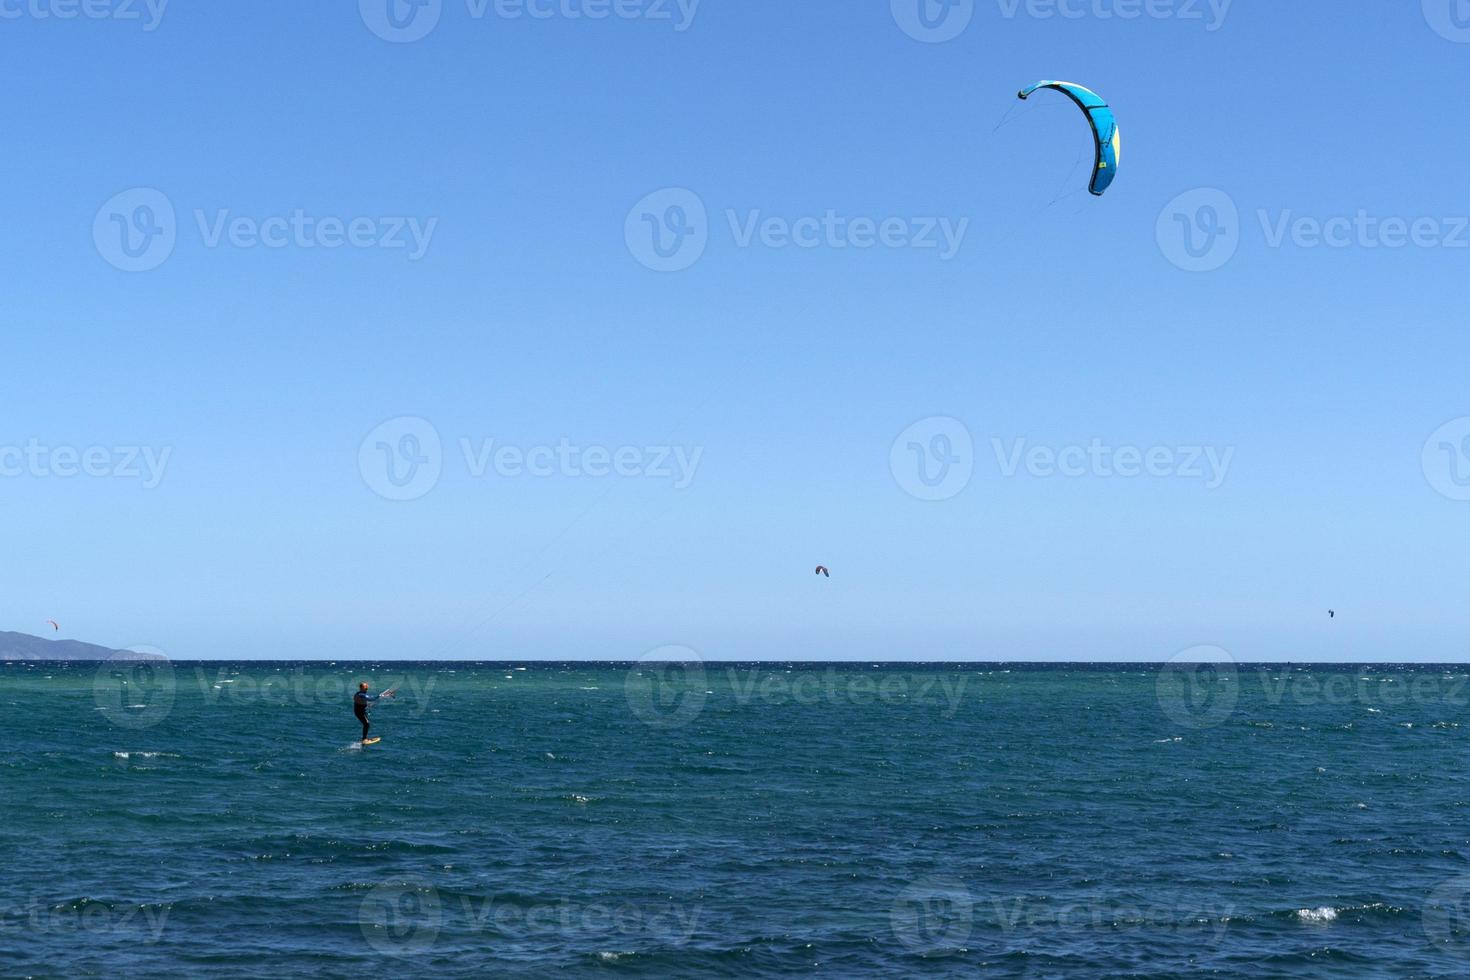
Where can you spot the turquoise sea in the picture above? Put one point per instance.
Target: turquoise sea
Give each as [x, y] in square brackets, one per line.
[722, 820]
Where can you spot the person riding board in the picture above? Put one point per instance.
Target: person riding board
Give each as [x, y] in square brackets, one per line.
[360, 702]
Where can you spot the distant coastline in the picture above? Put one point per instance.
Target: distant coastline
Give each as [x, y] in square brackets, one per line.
[23, 646]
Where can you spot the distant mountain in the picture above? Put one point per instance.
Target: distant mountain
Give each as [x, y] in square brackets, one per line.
[21, 646]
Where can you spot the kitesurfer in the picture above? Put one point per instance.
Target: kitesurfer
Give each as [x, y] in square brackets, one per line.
[360, 702]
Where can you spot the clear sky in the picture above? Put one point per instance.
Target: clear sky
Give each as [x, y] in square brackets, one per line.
[460, 217]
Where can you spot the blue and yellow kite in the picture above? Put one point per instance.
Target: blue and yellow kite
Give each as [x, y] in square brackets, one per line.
[1104, 129]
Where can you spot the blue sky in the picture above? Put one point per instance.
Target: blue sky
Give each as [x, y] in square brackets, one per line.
[235, 396]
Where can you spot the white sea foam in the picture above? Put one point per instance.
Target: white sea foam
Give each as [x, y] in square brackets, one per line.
[1323, 914]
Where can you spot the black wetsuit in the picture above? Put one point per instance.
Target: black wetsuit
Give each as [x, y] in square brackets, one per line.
[360, 702]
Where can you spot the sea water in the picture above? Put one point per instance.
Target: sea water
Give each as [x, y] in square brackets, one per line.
[211, 819]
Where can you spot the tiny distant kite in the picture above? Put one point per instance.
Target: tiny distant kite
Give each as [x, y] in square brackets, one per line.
[55, 626]
[1332, 614]
[1104, 129]
[822, 571]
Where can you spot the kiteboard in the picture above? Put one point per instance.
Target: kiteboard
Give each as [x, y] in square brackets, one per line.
[372, 741]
